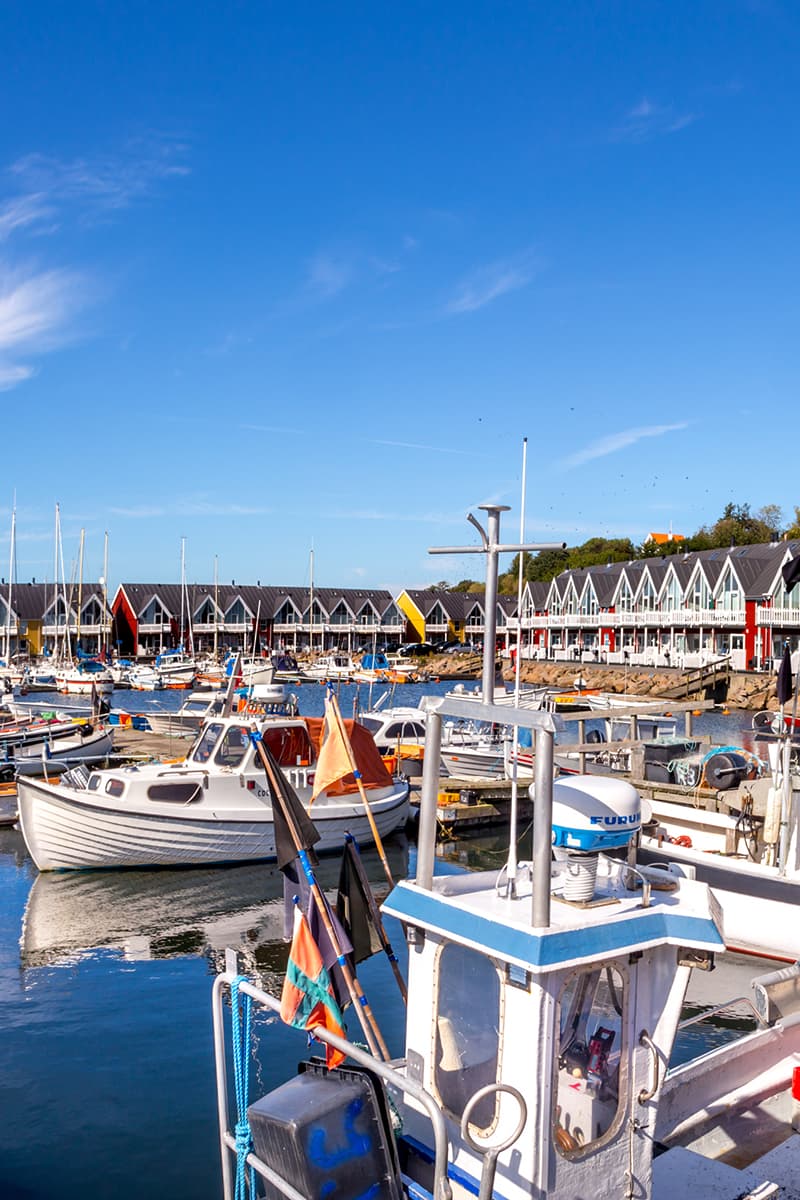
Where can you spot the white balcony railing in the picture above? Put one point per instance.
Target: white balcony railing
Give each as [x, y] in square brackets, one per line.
[777, 616]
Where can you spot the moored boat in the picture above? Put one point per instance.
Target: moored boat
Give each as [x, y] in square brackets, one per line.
[213, 807]
[540, 1021]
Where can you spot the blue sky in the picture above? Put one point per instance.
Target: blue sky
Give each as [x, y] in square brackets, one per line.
[282, 276]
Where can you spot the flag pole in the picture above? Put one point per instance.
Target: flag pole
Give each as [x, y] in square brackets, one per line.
[365, 1014]
[376, 837]
[375, 913]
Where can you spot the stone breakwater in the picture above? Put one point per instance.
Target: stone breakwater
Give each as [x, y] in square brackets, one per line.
[747, 691]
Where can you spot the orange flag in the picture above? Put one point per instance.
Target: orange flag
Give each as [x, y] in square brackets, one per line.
[307, 999]
[334, 760]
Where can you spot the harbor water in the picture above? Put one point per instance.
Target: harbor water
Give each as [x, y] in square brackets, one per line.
[106, 1058]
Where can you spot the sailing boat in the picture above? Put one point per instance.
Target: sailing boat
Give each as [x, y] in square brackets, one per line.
[10, 675]
[176, 668]
[87, 676]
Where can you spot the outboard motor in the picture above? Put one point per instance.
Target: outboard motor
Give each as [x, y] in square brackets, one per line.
[591, 813]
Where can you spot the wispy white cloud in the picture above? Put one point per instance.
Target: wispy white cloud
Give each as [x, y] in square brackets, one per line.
[647, 120]
[35, 310]
[374, 514]
[104, 182]
[327, 275]
[619, 441]
[488, 283]
[189, 508]
[421, 446]
[274, 429]
[22, 212]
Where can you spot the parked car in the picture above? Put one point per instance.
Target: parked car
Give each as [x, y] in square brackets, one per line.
[417, 650]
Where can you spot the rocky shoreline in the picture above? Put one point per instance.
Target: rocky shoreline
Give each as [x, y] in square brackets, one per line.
[746, 690]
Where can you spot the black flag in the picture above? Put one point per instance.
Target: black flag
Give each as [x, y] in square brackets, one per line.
[354, 907]
[785, 688]
[791, 573]
[288, 814]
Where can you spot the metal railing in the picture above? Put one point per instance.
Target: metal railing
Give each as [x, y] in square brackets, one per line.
[391, 1074]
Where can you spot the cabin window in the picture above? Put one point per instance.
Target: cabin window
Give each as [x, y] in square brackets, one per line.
[206, 742]
[115, 787]
[406, 729]
[233, 747]
[467, 1047]
[590, 1053]
[175, 792]
[290, 745]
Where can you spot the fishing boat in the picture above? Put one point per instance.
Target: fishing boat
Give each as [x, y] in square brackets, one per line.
[214, 806]
[544, 1004]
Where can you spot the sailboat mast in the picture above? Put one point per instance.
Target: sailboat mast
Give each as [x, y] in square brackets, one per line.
[10, 579]
[216, 607]
[183, 585]
[106, 625]
[67, 642]
[311, 597]
[55, 583]
[80, 589]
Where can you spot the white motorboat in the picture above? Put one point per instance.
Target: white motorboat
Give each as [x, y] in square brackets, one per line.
[145, 679]
[399, 733]
[213, 807]
[197, 708]
[540, 1023]
[87, 744]
[176, 669]
[330, 666]
[85, 679]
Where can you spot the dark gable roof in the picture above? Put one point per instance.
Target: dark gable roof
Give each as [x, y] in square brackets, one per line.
[266, 601]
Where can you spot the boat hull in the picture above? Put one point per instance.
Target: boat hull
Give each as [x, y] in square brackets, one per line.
[759, 906]
[70, 829]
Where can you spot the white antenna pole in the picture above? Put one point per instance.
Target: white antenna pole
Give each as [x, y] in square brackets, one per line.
[311, 598]
[514, 806]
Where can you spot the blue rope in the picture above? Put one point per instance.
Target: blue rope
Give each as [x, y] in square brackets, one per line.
[240, 1028]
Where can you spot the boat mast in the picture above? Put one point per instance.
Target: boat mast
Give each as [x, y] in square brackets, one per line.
[216, 607]
[183, 586]
[55, 586]
[311, 597]
[67, 641]
[11, 578]
[80, 589]
[106, 624]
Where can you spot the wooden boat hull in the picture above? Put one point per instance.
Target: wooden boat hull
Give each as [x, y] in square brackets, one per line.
[70, 829]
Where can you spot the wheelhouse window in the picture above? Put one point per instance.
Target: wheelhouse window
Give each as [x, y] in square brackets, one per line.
[206, 742]
[467, 1034]
[232, 747]
[590, 1054]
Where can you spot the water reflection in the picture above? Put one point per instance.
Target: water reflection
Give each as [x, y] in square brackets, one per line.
[149, 915]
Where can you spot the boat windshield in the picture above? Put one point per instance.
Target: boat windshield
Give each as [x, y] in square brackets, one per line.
[208, 739]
